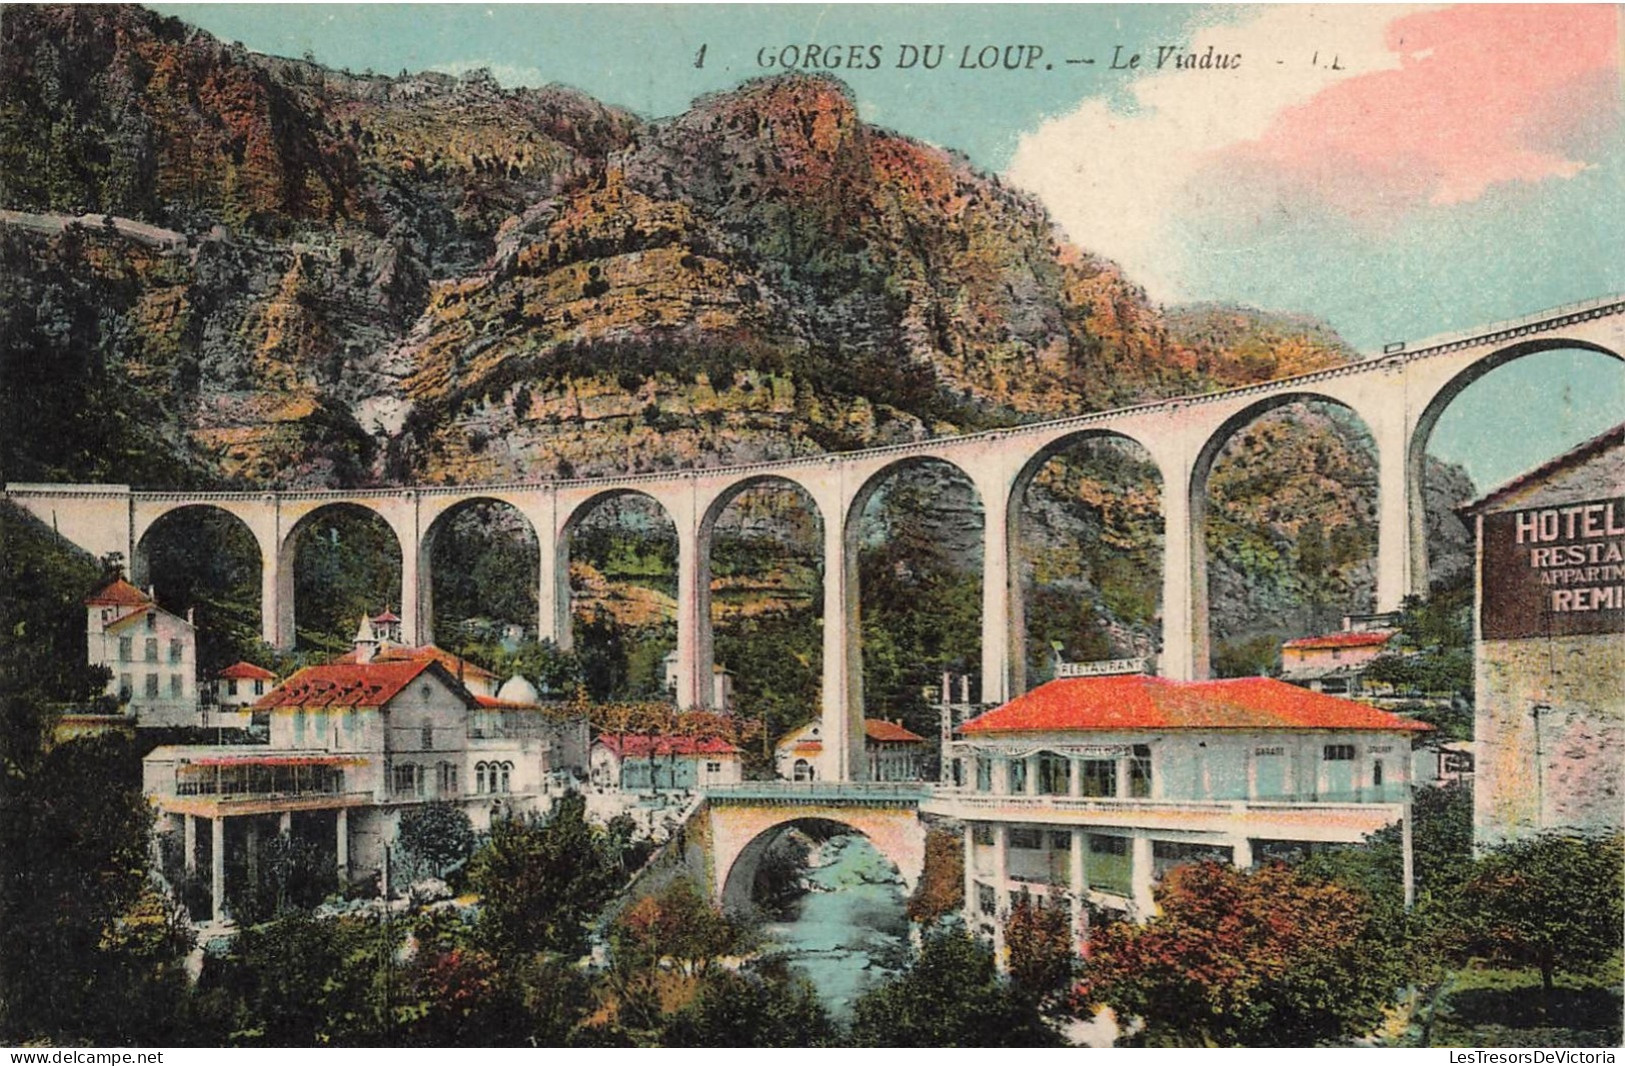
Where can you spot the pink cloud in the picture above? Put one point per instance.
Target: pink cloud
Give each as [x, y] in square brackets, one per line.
[1482, 95]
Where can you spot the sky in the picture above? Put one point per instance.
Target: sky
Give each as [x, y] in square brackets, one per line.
[1397, 171]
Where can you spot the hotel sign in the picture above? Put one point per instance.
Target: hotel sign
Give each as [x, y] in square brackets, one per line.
[1554, 571]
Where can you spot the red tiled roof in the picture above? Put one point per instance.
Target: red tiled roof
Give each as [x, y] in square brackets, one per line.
[402, 653]
[1339, 640]
[491, 703]
[880, 729]
[1135, 701]
[387, 616]
[118, 593]
[125, 619]
[642, 745]
[246, 672]
[352, 685]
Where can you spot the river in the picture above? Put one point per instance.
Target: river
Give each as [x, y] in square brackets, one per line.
[849, 930]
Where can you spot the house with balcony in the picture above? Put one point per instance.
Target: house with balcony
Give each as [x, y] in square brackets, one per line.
[351, 747]
[151, 654]
[1084, 791]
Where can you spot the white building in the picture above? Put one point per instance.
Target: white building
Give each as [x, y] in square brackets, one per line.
[892, 752]
[1085, 790]
[151, 653]
[722, 682]
[352, 746]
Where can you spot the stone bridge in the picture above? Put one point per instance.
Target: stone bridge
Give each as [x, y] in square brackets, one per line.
[744, 820]
[1399, 395]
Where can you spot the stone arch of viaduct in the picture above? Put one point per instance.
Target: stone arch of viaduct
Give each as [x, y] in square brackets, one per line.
[1399, 396]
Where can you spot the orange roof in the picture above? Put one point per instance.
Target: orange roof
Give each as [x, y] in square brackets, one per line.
[880, 729]
[246, 672]
[1135, 701]
[641, 745]
[119, 593]
[491, 703]
[401, 653]
[387, 616]
[1339, 640]
[352, 685]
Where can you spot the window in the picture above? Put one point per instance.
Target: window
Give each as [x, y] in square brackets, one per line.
[1139, 772]
[1099, 777]
[1054, 774]
[231, 686]
[124, 649]
[126, 687]
[446, 778]
[406, 780]
[802, 771]
[152, 649]
[502, 781]
[428, 736]
[1018, 776]
[1376, 773]
[1109, 864]
[982, 834]
[175, 651]
[479, 778]
[152, 686]
[175, 686]
[1167, 854]
[987, 901]
[1338, 752]
[1099, 845]
[1061, 840]
[713, 768]
[1027, 838]
[259, 687]
[984, 774]
[152, 621]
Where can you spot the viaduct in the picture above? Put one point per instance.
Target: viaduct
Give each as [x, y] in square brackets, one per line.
[1399, 395]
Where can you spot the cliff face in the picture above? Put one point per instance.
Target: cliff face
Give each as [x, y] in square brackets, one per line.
[292, 276]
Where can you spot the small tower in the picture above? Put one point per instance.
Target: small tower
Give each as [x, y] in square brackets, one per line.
[387, 627]
[366, 641]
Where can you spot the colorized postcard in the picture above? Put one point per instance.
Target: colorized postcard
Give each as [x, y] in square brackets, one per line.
[747, 525]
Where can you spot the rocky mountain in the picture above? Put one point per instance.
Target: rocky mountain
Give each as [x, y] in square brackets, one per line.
[219, 268]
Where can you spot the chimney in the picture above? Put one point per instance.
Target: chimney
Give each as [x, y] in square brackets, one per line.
[191, 616]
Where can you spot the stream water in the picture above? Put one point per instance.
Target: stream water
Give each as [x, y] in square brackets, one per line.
[849, 927]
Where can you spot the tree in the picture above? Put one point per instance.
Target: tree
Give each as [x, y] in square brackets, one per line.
[949, 996]
[941, 890]
[542, 880]
[1237, 958]
[437, 835]
[1554, 901]
[680, 925]
[1041, 946]
[750, 1010]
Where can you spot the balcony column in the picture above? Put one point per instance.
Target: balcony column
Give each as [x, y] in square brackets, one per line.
[1140, 876]
[1079, 881]
[189, 842]
[1001, 890]
[284, 823]
[1121, 789]
[1032, 774]
[1242, 852]
[341, 844]
[217, 871]
[1001, 775]
[1074, 781]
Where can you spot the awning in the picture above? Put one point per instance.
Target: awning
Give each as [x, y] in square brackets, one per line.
[277, 760]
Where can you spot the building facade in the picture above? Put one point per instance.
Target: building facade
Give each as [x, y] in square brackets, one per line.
[892, 752]
[352, 746]
[151, 654]
[635, 762]
[1084, 791]
[1335, 663]
[1549, 659]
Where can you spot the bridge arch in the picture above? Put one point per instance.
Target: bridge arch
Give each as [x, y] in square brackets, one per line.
[706, 541]
[1198, 492]
[439, 526]
[400, 592]
[743, 835]
[1441, 396]
[1019, 489]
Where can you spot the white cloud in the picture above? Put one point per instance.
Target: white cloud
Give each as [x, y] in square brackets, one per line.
[1116, 181]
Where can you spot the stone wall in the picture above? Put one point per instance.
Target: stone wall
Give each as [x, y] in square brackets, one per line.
[1578, 777]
